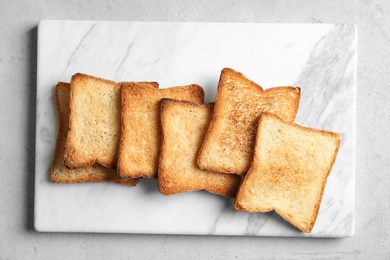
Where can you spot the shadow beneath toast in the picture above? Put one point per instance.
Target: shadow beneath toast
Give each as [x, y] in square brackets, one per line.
[30, 130]
[149, 186]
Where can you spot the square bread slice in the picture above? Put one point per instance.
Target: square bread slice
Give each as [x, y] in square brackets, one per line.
[289, 171]
[140, 142]
[184, 125]
[229, 142]
[61, 174]
[94, 132]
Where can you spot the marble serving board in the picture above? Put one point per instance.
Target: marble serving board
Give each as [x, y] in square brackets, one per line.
[320, 58]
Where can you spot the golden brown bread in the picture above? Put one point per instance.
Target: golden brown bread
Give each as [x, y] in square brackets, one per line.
[184, 125]
[94, 132]
[61, 174]
[289, 171]
[141, 127]
[289, 164]
[229, 142]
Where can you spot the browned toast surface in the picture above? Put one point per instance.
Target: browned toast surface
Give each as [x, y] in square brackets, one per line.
[184, 125]
[289, 171]
[94, 132]
[229, 142]
[140, 143]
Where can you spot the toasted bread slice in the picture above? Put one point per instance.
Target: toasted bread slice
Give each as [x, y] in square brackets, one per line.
[94, 132]
[229, 142]
[141, 128]
[184, 125]
[289, 171]
[61, 174]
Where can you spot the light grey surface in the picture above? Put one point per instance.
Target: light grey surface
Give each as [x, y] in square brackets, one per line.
[18, 22]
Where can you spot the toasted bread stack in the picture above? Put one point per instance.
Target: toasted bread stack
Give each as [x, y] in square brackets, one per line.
[141, 127]
[59, 172]
[93, 115]
[245, 146]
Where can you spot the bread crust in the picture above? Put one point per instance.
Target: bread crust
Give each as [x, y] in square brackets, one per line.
[184, 125]
[61, 174]
[141, 127]
[229, 142]
[289, 171]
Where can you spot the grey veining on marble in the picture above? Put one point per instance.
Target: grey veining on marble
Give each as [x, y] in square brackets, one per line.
[320, 58]
[331, 70]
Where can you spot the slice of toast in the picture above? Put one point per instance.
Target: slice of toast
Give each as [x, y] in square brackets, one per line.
[61, 174]
[229, 142]
[184, 125]
[94, 132]
[289, 171]
[141, 127]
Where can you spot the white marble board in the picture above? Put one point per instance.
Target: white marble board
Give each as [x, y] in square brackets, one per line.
[320, 58]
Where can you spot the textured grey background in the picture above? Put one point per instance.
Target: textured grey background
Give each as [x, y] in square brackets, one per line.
[18, 34]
